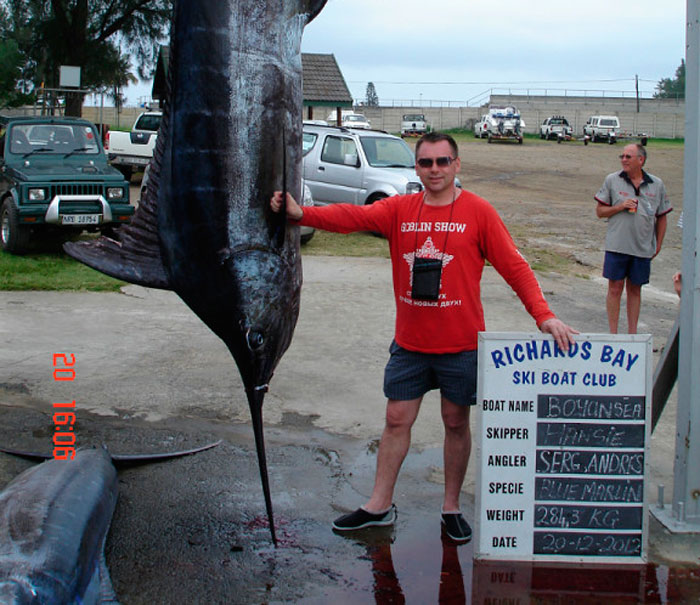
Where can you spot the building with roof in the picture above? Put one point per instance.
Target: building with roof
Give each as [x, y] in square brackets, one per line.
[323, 83]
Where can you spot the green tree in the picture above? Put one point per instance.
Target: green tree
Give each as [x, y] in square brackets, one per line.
[371, 98]
[672, 88]
[122, 77]
[13, 88]
[102, 37]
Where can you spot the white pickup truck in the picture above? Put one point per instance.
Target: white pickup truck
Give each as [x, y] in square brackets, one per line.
[413, 125]
[130, 151]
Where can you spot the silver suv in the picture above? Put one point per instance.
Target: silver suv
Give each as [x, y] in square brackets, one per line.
[356, 166]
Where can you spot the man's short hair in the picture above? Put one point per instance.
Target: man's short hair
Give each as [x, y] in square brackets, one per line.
[641, 151]
[436, 137]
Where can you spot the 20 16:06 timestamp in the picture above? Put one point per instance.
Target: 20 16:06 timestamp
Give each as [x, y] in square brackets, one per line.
[64, 435]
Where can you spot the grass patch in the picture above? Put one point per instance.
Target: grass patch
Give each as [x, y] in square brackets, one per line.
[58, 271]
[547, 260]
[325, 243]
[656, 142]
[51, 271]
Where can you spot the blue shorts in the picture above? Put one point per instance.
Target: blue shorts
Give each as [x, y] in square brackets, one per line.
[410, 375]
[618, 266]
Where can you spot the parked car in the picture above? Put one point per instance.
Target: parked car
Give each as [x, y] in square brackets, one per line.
[132, 151]
[556, 127]
[55, 181]
[413, 125]
[356, 120]
[306, 233]
[500, 123]
[602, 128]
[357, 166]
[349, 119]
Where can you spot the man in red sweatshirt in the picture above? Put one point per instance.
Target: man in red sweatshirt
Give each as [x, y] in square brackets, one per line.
[439, 240]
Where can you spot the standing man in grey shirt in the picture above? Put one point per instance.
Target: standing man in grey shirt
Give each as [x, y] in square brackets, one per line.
[635, 204]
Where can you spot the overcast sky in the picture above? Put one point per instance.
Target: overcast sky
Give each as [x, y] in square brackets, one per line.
[455, 50]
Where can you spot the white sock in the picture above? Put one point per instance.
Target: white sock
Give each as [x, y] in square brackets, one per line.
[450, 512]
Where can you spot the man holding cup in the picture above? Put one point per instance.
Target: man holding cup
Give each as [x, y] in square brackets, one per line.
[635, 204]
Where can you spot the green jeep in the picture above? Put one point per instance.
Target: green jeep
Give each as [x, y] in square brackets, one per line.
[55, 182]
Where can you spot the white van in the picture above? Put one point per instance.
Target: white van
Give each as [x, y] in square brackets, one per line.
[602, 128]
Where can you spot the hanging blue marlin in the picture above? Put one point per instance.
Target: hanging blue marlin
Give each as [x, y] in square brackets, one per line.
[54, 519]
[230, 136]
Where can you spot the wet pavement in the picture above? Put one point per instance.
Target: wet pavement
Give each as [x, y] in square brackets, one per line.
[150, 377]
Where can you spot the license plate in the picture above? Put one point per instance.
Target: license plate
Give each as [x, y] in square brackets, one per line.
[120, 159]
[80, 219]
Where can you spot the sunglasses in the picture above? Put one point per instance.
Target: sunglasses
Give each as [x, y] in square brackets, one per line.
[442, 161]
[626, 156]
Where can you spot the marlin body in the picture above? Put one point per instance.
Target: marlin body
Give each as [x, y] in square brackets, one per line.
[54, 519]
[230, 136]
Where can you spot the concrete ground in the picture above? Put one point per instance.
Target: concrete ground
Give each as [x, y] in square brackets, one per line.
[151, 377]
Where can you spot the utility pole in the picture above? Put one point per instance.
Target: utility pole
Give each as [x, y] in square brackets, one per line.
[684, 513]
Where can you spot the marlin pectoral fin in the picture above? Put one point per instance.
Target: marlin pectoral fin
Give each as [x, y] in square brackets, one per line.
[107, 594]
[135, 258]
[111, 258]
[119, 459]
[28, 455]
[100, 590]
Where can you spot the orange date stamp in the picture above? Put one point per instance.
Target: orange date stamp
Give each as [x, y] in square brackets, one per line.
[64, 412]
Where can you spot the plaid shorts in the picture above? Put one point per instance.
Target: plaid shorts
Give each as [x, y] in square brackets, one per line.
[410, 375]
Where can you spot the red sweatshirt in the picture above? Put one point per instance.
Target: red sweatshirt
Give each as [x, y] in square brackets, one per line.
[463, 237]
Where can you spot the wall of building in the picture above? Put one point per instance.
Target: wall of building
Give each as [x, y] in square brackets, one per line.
[123, 119]
[663, 118]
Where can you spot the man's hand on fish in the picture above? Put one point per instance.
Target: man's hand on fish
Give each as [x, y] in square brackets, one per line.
[563, 334]
[294, 210]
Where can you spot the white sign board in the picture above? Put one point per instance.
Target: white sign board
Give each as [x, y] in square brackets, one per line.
[69, 76]
[562, 445]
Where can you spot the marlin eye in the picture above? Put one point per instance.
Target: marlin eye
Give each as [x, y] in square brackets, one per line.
[255, 340]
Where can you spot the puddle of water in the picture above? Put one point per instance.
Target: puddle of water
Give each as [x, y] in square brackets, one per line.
[422, 565]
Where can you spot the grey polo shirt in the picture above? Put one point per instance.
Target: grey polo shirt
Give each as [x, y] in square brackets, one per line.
[633, 233]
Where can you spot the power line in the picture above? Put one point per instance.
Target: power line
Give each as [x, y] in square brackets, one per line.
[506, 83]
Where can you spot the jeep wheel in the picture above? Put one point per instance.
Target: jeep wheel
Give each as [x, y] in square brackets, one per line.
[112, 232]
[13, 236]
[127, 172]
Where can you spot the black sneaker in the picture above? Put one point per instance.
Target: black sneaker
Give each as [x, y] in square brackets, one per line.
[361, 519]
[456, 527]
